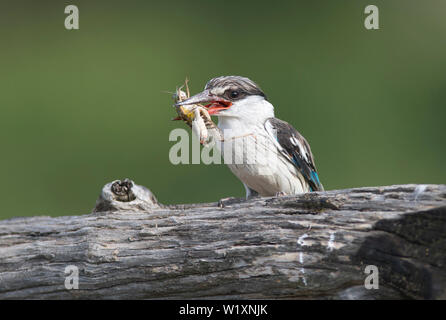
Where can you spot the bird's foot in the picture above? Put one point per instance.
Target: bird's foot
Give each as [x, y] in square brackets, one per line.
[253, 196]
[280, 194]
[226, 202]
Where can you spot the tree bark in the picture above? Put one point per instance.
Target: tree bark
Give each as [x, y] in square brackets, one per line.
[311, 246]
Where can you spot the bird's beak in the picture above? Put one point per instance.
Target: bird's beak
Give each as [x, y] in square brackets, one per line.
[212, 103]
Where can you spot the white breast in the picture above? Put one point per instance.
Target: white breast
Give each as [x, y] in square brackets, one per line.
[252, 156]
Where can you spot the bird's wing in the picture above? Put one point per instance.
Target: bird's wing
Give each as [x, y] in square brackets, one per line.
[295, 148]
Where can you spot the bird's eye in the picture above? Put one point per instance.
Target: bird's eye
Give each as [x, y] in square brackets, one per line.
[234, 94]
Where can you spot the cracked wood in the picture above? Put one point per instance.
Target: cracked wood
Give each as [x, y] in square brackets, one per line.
[311, 246]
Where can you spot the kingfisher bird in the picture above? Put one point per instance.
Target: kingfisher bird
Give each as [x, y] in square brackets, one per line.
[268, 155]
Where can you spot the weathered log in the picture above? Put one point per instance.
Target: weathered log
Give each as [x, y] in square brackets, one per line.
[311, 246]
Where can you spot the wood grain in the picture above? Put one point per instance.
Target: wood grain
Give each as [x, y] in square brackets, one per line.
[311, 246]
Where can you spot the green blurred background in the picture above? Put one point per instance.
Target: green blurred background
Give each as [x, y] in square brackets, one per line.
[82, 108]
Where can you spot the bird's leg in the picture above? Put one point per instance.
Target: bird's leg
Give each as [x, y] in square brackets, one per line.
[280, 194]
[226, 202]
[250, 193]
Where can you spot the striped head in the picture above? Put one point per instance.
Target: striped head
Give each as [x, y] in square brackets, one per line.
[233, 96]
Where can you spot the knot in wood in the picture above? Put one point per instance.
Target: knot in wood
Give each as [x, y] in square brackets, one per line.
[123, 190]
